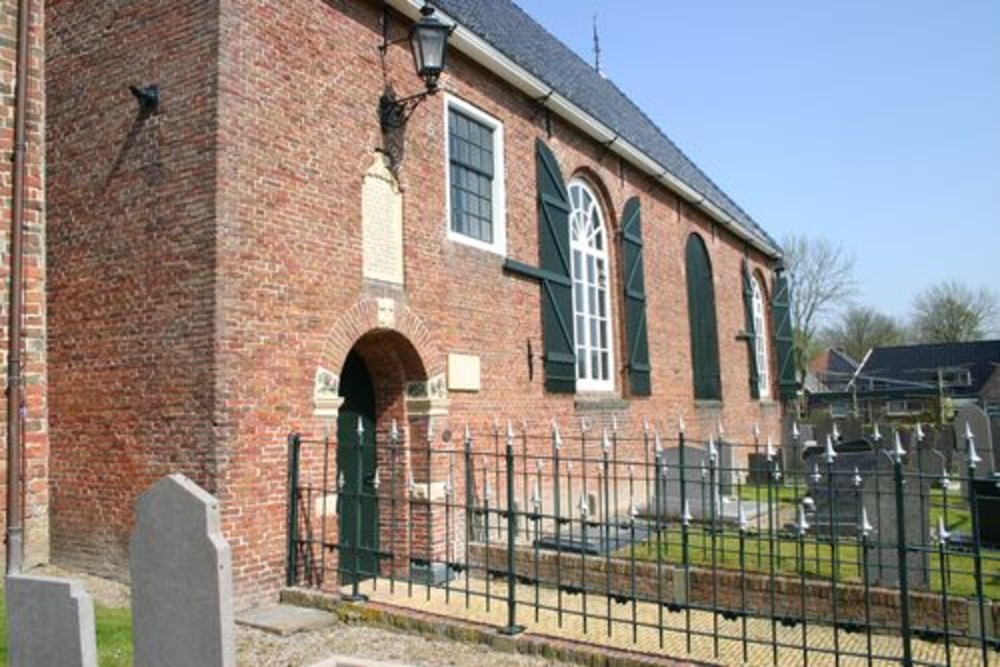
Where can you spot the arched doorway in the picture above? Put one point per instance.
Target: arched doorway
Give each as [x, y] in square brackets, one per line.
[384, 387]
[356, 462]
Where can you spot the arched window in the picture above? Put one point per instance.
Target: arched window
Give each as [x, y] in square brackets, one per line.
[760, 339]
[591, 300]
[701, 316]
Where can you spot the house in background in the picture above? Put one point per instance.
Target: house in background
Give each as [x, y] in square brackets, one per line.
[830, 371]
[914, 382]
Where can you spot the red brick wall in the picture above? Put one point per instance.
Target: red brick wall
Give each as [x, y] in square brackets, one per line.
[132, 248]
[229, 287]
[35, 377]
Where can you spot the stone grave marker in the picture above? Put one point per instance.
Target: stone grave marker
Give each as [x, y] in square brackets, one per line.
[850, 429]
[50, 622]
[988, 502]
[873, 489]
[182, 589]
[979, 424]
[792, 447]
[995, 430]
[699, 490]
[880, 500]
[822, 427]
[844, 512]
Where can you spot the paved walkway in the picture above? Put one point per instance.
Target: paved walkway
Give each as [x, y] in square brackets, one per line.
[713, 639]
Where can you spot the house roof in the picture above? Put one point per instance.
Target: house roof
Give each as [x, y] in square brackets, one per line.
[508, 29]
[919, 364]
[832, 360]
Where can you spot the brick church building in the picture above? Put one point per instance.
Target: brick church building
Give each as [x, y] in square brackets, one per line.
[261, 248]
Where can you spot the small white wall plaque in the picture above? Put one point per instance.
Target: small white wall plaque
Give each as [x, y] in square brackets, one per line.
[463, 372]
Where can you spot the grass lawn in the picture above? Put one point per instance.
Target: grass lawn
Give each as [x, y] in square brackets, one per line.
[815, 556]
[114, 635]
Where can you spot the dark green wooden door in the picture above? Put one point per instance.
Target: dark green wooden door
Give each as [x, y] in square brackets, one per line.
[356, 462]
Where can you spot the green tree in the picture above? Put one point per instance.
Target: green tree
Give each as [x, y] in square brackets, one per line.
[861, 328]
[950, 312]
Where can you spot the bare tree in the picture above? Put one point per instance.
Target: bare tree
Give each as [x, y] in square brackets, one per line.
[950, 312]
[822, 277]
[861, 328]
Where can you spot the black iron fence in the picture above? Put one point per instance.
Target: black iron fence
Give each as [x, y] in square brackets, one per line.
[880, 549]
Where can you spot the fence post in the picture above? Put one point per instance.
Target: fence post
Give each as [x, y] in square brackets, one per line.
[901, 552]
[512, 628]
[977, 558]
[292, 544]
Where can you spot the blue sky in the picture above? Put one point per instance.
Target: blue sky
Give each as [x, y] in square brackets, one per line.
[875, 124]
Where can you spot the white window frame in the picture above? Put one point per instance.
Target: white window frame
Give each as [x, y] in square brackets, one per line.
[901, 407]
[589, 382]
[761, 350]
[499, 245]
[840, 410]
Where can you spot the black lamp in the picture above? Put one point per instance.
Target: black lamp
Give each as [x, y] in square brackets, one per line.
[429, 43]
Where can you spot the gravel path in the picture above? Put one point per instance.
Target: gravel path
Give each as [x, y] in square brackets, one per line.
[262, 649]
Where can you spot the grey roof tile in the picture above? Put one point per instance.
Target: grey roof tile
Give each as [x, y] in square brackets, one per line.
[510, 30]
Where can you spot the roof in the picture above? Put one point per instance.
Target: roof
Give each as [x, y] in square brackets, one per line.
[832, 360]
[508, 29]
[914, 365]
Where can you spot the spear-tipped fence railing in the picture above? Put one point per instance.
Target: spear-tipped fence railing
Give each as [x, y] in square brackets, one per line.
[855, 554]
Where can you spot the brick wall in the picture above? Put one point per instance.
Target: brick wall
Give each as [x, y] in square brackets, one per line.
[132, 247]
[35, 377]
[723, 590]
[210, 261]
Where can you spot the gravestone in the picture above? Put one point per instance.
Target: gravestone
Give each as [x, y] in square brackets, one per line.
[876, 494]
[792, 447]
[995, 430]
[988, 502]
[182, 589]
[49, 622]
[883, 564]
[979, 424]
[851, 428]
[760, 469]
[698, 486]
[822, 427]
[837, 497]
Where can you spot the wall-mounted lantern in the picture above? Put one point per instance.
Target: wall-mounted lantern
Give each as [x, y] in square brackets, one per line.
[429, 43]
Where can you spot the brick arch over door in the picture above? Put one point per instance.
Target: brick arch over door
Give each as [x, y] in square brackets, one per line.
[370, 315]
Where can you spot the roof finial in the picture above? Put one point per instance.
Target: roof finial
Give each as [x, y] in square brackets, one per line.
[597, 49]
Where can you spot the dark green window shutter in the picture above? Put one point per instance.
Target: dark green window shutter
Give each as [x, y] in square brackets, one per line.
[557, 283]
[636, 336]
[750, 332]
[701, 315]
[784, 339]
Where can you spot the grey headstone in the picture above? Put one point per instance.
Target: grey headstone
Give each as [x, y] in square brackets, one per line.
[182, 589]
[979, 424]
[699, 489]
[876, 494]
[836, 495]
[881, 501]
[822, 427]
[49, 622]
[792, 447]
[995, 430]
[850, 429]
